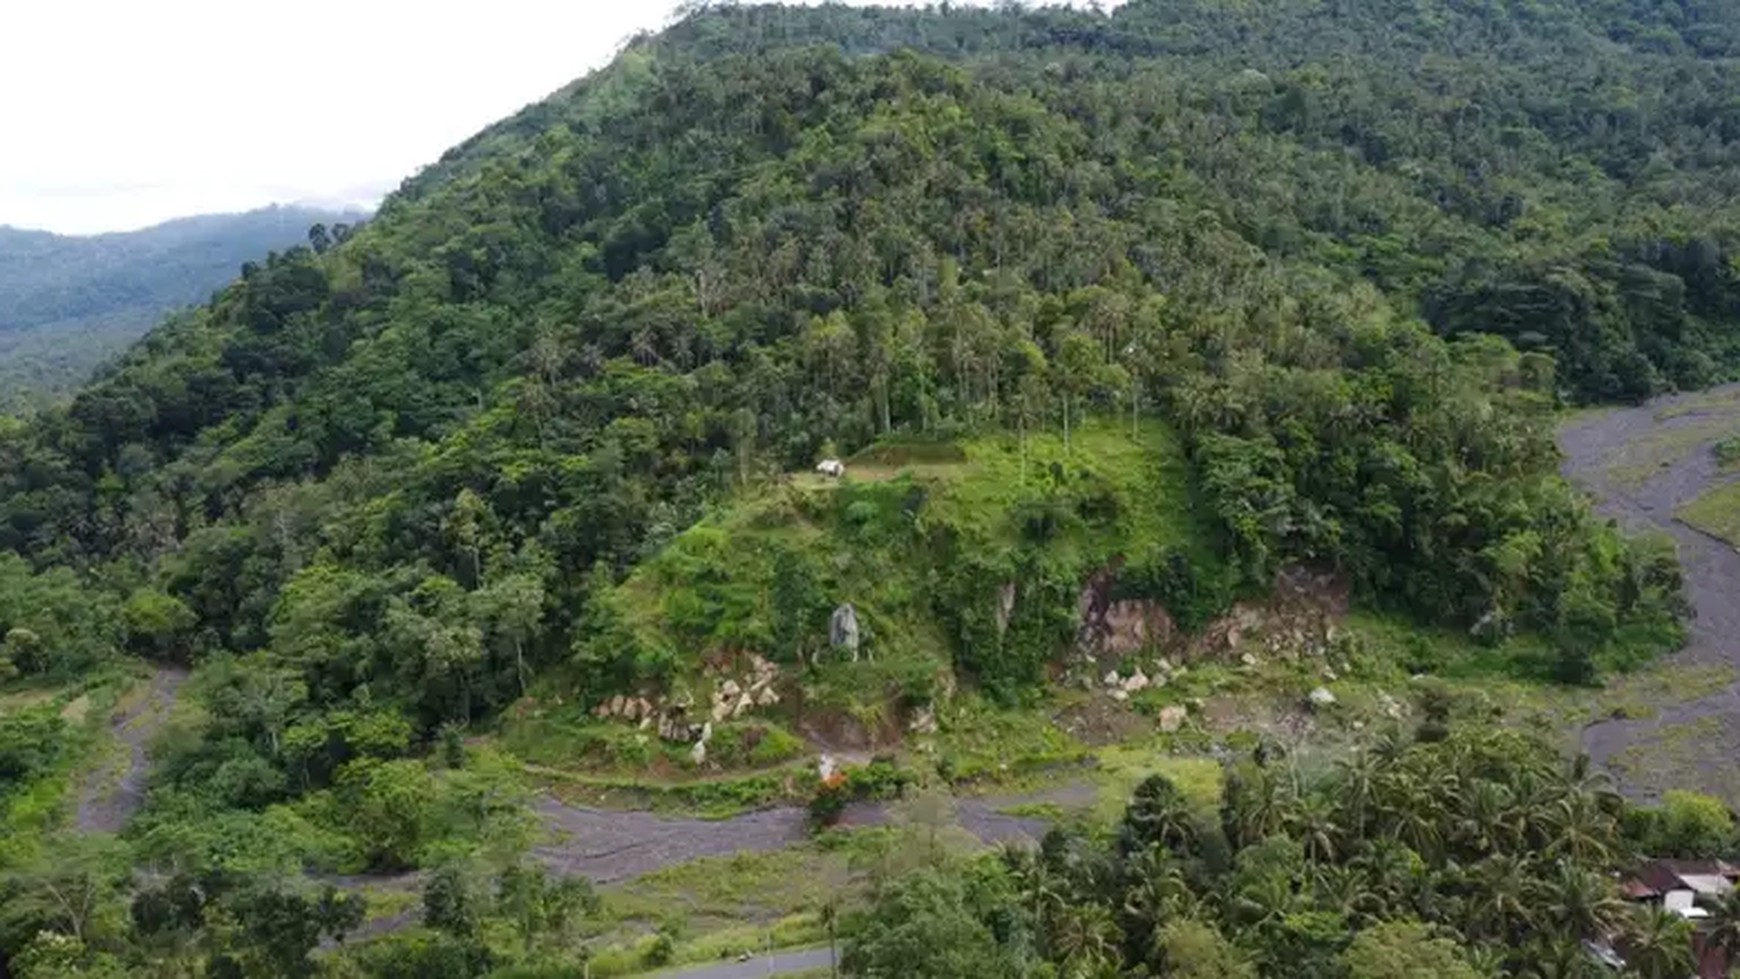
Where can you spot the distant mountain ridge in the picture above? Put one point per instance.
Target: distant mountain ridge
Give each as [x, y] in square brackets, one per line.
[67, 303]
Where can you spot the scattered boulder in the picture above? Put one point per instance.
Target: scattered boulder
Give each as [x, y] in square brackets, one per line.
[1172, 718]
[843, 630]
[1321, 698]
[1113, 680]
[730, 689]
[698, 754]
[674, 728]
[1119, 694]
[721, 710]
[1389, 706]
[923, 721]
[1117, 627]
[1137, 682]
[743, 706]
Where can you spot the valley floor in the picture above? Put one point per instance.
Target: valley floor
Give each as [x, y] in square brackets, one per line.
[1645, 466]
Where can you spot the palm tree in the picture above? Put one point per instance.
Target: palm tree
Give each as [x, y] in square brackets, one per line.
[1356, 783]
[1155, 890]
[1411, 811]
[1345, 890]
[1314, 820]
[1158, 814]
[1658, 945]
[1253, 804]
[1580, 828]
[1580, 903]
[1041, 891]
[1485, 824]
[1500, 906]
[1086, 939]
[1391, 870]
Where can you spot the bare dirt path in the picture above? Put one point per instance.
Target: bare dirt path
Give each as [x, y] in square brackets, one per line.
[1692, 743]
[114, 792]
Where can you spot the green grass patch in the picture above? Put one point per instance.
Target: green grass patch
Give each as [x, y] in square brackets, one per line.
[73, 719]
[1704, 403]
[720, 797]
[1716, 512]
[720, 907]
[1633, 464]
[1121, 769]
[981, 744]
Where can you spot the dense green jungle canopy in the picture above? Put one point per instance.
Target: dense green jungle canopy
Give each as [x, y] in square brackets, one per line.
[1355, 253]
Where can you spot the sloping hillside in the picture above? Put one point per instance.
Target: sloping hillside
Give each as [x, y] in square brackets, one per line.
[69, 303]
[1153, 305]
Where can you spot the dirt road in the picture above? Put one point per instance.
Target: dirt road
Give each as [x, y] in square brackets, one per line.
[114, 792]
[1692, 743]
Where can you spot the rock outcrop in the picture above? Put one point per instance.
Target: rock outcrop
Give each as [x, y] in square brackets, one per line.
[843, 632]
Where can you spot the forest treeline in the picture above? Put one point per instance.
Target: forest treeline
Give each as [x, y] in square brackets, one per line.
[1356, 254]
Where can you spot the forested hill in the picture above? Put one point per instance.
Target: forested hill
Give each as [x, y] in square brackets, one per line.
[69, 303]
[1560, 173]
[1168, 301]
[770, 230]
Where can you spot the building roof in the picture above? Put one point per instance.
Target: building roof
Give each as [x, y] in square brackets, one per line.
[1657, 877]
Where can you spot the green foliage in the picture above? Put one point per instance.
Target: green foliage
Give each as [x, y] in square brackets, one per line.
[1195, 950]
[1405, 950]
[52, 626]
[1686, 823]
[1162, 300]
[1478, 853]
[929, 925]
[1716, 512]
[31, 741]
[390, 808]
[1728, 452]
[157, 624]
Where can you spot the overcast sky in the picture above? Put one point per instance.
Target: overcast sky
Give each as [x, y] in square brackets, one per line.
[117, 114]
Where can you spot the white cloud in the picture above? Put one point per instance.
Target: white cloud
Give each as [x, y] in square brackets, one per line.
[116, 114]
